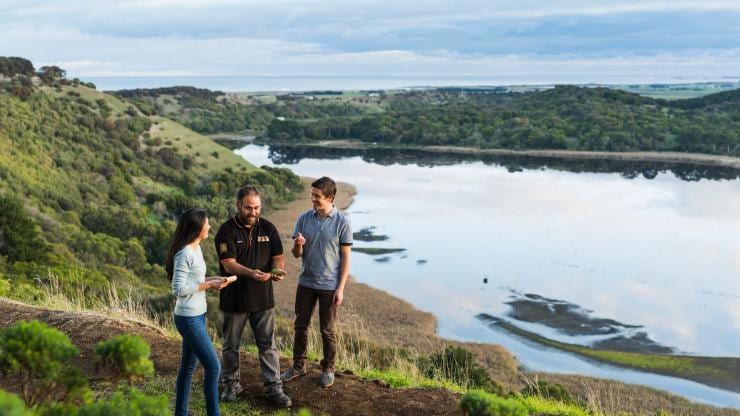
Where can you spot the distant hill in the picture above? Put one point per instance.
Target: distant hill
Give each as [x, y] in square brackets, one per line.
[90, 186]
[565, 117]
[729, 100]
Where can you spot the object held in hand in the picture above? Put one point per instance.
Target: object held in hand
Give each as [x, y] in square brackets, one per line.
[278, 273]
[231, 279]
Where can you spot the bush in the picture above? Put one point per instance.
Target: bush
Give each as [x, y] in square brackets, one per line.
[134, 403]
[550, 391]
[480, 403]
[4, 285]
[20, 237]
[11, 405]
[459, 365]
[301, 412]
[37, 355]
[57, 409]
[126, 356]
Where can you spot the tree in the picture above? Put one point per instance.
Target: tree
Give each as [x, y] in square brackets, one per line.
[11, 66]
[49, 74]
[20, 237]
[37, 356]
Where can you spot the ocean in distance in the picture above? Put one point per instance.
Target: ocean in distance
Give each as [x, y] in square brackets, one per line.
[349, 83]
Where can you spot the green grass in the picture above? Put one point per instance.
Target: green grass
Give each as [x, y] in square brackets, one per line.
[166, 386]
[480, 403]
[118, 106]
[199, 147]
[399, 379]
[722, 372]
[540, 405]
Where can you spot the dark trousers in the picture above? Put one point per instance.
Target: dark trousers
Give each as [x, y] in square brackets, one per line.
[263, 327]
[196, 346]
[305, 301]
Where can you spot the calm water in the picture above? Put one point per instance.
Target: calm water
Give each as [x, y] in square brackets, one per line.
[650, 246]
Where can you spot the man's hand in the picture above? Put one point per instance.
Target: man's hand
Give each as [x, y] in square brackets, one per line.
[338, 296]
[300, 239]
[260, 276]
[278, 274]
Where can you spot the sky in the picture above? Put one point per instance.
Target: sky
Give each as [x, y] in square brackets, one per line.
[496, 39]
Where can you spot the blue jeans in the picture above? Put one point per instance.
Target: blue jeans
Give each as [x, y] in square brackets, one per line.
[196, 345]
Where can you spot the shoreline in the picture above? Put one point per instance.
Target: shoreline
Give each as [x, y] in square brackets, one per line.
[699, 159]
[392, 322]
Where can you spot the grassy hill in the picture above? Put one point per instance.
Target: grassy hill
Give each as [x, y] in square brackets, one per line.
[90, 187]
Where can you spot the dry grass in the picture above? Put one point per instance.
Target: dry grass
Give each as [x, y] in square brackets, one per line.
[111, 302]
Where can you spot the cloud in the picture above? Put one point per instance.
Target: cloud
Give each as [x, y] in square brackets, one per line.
[228, 37]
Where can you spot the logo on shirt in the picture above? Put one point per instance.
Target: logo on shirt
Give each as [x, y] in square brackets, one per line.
[263, 239]
[223, 248]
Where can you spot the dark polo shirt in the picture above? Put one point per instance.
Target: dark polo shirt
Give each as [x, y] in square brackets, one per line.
[254, 248]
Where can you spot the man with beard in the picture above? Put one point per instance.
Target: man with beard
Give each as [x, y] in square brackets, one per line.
[323, 239]
[249, 247]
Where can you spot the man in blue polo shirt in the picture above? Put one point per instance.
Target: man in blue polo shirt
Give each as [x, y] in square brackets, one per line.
[323, 239]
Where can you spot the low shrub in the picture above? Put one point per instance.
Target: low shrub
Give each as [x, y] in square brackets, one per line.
[11, 405]
[459, 365]
[549, 390]
[37, 356]
[480, 403]
[125, 356]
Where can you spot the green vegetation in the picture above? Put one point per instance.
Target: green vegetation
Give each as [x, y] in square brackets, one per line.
[159, 385]
[211, 112]
[11, 405]
[459, 365]
[480, 403]
[126, 356]
[722, 372]
[548, 390]
[564, 117]
[37, 357]
[87, 202]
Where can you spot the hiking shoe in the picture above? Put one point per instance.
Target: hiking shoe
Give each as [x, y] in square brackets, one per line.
[231, 392]
[292, 373]
[278, 397]
[326, 379]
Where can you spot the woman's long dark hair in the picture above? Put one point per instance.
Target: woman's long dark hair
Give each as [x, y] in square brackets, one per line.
[189, 226]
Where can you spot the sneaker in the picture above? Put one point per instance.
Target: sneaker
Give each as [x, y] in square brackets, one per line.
[278, 397]
[231, 392]
[326, 379]
[292, 373]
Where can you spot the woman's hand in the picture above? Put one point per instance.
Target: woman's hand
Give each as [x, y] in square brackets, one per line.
[216, 283]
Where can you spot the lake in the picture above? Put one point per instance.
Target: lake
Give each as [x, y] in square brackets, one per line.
[643, 254]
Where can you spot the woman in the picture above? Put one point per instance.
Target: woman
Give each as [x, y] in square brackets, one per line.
[186, 269]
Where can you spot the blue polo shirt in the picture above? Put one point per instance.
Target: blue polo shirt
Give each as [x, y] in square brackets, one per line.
[321, 253]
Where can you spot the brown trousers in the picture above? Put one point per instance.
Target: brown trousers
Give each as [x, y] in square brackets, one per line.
[305, 302]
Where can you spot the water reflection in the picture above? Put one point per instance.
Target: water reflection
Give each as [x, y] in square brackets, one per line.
[640, 243]
[291, 155]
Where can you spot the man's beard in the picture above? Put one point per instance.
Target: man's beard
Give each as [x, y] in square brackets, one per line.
[248, 219]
